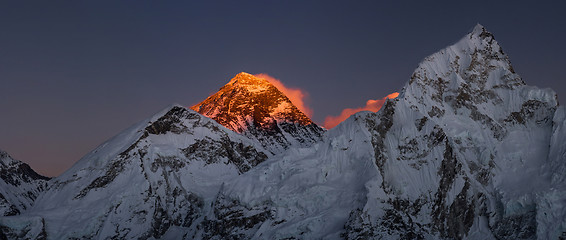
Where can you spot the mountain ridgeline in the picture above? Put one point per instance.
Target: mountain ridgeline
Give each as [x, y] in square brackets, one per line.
[19, 185]
[466, 151]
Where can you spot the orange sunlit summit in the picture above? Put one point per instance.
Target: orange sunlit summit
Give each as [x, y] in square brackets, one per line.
[298, 96]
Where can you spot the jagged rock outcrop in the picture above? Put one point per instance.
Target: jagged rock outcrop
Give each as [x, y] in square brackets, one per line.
[19, 185]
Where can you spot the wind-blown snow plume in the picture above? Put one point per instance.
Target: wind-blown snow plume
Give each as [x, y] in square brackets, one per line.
[371, 105]
[296, 95]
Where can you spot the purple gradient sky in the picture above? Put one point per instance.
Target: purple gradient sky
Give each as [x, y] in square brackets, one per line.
[75, 73]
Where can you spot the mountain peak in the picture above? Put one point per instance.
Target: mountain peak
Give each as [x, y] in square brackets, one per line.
[245, 78]
[253, 106]
[474, 78]
[475, 66]
[481, 38]
[249, 82]
[478, 29]
[249, 98]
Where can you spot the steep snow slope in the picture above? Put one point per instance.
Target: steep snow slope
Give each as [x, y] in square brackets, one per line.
[254, 107]
[463, 152]
[19, 185]
[551, 205]
[155, 177]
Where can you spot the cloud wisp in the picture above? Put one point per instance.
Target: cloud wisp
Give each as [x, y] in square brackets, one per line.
[371, 105]
[296, 95]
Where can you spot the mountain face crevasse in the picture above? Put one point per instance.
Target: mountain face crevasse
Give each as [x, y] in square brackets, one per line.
[466, 151]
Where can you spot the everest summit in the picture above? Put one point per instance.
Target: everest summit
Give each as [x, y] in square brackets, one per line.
[254, 107]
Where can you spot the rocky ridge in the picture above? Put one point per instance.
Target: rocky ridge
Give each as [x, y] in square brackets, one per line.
[19, 185]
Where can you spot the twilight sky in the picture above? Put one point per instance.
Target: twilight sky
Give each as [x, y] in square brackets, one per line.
[75, 73]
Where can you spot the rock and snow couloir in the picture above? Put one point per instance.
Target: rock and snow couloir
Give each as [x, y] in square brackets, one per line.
[467, 150]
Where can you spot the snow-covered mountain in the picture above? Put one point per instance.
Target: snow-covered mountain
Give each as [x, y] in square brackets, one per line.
[467, 150]
[147, 181]
[464, 152]
[19, 185]
[254, 107]
[159, 178]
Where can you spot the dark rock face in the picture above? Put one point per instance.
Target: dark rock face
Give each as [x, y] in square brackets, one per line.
[9, 208]
[532, 111]
[232, 220]
[212, 151]
[20, 185]
[520, 226]
[178, 209]
[170, 122]
[379, 130]
[32, 230]
[100, 182]
[357, 228]
[15, 175]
